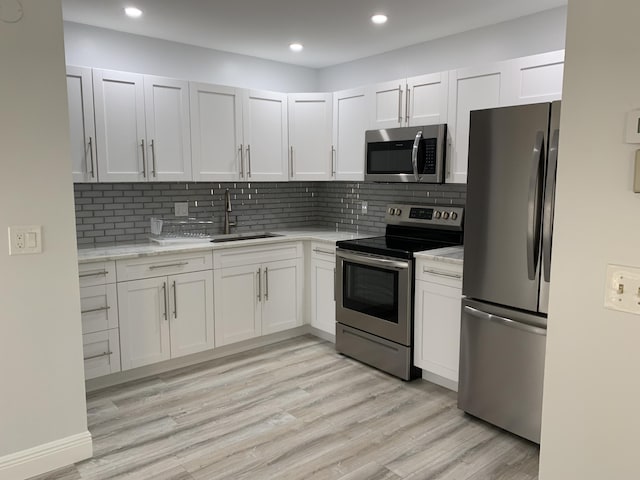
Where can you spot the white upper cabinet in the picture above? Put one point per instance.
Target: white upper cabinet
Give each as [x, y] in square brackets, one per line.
[350, 114]
[310, 132]
[142, 127]
[120, 126]
[418, 100]
[167, 125]
[265, 134]
[535, 79]
[469, 89]
[81, 124]
[216, 133]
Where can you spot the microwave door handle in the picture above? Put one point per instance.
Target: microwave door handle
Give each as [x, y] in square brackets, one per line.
[414, 155]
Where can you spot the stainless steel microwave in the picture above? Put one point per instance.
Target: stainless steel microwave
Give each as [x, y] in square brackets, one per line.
[408, 154]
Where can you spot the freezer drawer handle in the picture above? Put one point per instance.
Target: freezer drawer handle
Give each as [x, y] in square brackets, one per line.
[505, 321]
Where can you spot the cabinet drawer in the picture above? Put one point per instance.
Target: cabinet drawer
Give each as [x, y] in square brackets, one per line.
[99, 307]
[442, 273]
[101, 353]
[97, 273]
[323, 251]
[235, 257]
[161, 265]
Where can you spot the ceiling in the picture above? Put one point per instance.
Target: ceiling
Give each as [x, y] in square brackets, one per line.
[332, 31]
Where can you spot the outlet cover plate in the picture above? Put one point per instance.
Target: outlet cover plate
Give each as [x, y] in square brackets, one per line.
[25, 239]
[181, 209]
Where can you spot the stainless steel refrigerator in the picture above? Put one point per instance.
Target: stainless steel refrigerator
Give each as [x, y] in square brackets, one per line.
[513, 154]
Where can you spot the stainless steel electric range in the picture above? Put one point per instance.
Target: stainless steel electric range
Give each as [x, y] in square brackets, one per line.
[375, 285]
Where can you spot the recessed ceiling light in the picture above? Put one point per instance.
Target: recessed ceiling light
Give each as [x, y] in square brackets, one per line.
[296, 47]
[133, 12]
[379, 19]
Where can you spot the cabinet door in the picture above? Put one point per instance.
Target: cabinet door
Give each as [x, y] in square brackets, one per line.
[427, 99]
[469, 89]
[144, 322]
[120, 126]
[81, 124]
[437, 329]
[388, 105]
[167, 125]
[99, 307]
[191, 312]
[350, 110]
[101, 351]
[310, 130]
[534, 79]
[236, 303]
[282, 295]
[216, 133]
[265, 134]
[323, 302]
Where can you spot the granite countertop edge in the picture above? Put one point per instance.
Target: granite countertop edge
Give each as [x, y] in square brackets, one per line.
[452, 255]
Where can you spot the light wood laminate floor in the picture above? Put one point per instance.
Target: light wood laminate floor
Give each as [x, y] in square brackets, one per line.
[293, 410]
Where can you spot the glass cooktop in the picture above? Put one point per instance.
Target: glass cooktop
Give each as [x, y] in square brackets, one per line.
[390, 246]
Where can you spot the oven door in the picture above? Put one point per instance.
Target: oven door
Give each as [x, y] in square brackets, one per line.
[373, 294]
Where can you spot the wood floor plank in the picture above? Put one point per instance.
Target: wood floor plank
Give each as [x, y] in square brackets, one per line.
[294, 410]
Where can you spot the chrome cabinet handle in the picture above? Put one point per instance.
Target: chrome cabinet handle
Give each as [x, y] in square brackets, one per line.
[154, 172]
[249, 161]
[326, 252]
[259, 274]
[334, 284]
[406, 106]
[241, 161]
[266, 284]
[505, 321]
[533, 208]
[103, 354]
[93, 274]
[414, 155]
[178, 264]
[164, 293]
[144, 160]
[91, 310]
[93, 168]
[175, 300]
[333, 161]
[399, 103]
[441, 273]
[291, 161]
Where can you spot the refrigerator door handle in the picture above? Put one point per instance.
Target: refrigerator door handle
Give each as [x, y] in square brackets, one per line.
[549, 204]
[504, 321]
[533, 210]
[414, 155]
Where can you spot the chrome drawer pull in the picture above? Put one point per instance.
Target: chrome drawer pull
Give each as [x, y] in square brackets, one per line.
[91, 310]
[94, 274]
[326, 252]
[103, 354]
[179, 264]
[441, 273]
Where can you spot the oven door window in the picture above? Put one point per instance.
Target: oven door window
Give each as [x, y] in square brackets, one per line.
[370, 290]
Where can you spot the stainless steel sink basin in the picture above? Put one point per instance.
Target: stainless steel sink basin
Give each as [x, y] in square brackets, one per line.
[244, 236]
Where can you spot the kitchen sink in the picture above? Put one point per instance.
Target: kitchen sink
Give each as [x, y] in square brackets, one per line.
[244, 236]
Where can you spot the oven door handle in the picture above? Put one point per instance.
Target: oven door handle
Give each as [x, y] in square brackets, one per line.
[365, 259]
[414, 155]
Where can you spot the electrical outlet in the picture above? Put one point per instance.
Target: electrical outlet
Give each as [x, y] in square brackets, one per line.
[25, 239]
[365, 207]
[622, 289]
[181, 209]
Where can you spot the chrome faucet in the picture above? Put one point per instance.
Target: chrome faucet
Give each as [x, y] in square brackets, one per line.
[227, 209]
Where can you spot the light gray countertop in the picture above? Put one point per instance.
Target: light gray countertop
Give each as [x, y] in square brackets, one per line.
[134, 250]
[453, 255]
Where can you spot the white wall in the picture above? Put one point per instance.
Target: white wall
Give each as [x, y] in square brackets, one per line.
[42, 396]
[590, 423]
[538, 33]
[102, 48]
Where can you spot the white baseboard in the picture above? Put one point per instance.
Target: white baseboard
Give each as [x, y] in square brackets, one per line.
[46, 457]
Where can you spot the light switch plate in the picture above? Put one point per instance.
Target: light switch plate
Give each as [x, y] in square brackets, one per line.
[622, 289]
[25, 239]
[181, 209]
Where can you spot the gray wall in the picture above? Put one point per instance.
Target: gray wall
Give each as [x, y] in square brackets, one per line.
[120, 212]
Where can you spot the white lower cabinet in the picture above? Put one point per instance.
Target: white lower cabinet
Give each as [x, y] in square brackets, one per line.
[438, 293]
[167, 316]
[257, 291]
[101, 353]
[323, 300]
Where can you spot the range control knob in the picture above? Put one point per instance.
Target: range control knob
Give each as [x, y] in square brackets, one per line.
[392, 211]
[445, 215]
[437, 214]
[398, 211]
[454, 216]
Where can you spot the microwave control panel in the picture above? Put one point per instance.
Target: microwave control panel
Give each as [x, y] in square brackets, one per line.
[430, 146]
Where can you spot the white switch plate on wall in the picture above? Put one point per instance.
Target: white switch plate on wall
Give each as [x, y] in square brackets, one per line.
[181, 209]
[622, 289]
[25, 239]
